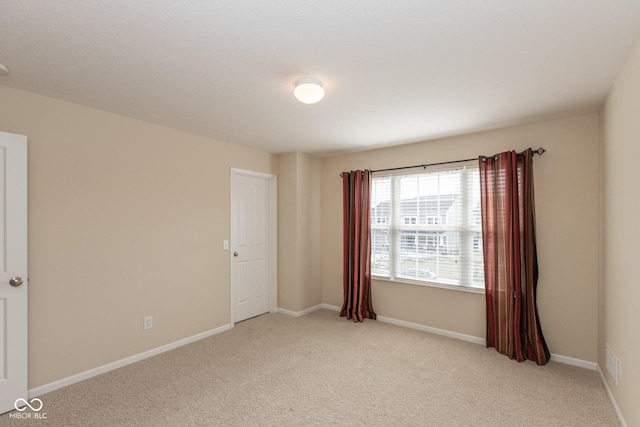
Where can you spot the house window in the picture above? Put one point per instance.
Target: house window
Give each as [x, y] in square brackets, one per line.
[432, 241]
[409, 220]
[408, 242]
[431, 229]
[433, 220]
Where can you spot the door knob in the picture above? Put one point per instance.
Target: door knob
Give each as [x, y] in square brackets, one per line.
[15, 281]
[235, 254]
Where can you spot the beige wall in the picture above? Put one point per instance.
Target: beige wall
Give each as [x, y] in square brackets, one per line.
[299, 230]
[288, 231]
[126, 220]
[566, 185]
[620, 312]
[310, 229]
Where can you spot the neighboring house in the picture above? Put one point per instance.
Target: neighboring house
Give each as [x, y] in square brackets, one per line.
[424, 224]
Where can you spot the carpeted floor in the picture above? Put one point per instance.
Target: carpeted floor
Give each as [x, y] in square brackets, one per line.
[276, 370]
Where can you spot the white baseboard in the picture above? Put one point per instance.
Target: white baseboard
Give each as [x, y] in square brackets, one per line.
[469, 338]
[38, 391]
[443, 332]
[411, 325]
[299, 313]
[330, 307]
[574, 362]
[623, 423]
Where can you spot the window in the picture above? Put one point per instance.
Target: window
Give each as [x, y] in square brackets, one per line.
[408, 241]
[426, 227]
[408, 220]
[431, 220]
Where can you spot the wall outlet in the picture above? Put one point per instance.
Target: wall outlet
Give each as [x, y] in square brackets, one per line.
[225, 244]
[148, 322]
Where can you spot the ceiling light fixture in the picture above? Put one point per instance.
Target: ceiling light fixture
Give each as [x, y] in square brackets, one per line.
[308, 90]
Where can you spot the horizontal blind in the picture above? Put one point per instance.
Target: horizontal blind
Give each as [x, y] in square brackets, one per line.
[426, 226]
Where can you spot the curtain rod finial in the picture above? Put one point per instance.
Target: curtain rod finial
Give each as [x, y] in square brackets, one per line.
[539, 151]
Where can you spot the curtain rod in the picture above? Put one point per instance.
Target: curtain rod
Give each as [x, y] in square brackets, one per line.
[539, 152]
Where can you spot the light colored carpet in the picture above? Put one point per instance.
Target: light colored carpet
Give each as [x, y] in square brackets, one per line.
[323, 370]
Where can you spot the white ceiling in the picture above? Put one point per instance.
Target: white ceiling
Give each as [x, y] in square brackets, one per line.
[394, 71]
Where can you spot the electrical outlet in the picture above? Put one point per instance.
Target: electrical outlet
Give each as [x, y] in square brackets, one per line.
[225, 244]
[148, 322]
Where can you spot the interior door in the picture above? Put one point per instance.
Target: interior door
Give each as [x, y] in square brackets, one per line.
[13, 269]
[250, 244]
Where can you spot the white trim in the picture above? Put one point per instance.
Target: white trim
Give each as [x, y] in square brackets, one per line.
[38, 391]
[273, 238]
[330, 307]
[469, 338]
[248, 172]
[274, 243]
[300, 313]
[611, 398]
[574, 362]
[15, 341]
[431, 284]
[450, 334]
[411, 325]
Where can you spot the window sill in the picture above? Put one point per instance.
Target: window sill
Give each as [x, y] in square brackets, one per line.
[430, 284]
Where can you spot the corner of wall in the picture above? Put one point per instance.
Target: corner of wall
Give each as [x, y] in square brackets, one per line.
[618, 316]
[601, 240]
[299, 232]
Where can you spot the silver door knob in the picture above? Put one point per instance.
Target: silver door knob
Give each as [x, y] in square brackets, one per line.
[15, 281]
[235, 254]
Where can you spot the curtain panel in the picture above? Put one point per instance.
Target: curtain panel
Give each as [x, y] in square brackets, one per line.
[356, 191]
[510, 256]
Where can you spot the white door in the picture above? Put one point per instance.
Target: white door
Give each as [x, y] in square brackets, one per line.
[13, 269]
[252, 238]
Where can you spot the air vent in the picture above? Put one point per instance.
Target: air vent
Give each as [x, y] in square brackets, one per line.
[612, 365]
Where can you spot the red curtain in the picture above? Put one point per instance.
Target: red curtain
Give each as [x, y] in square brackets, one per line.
[510, 257]
[356, 190]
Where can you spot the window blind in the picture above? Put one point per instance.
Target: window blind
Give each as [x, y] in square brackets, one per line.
[426, 227]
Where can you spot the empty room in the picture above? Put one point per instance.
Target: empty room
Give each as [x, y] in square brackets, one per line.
[319, 213]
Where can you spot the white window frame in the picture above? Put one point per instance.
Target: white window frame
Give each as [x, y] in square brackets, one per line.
[396, 226]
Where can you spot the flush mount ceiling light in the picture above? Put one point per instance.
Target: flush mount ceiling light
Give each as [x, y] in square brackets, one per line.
[308, 90]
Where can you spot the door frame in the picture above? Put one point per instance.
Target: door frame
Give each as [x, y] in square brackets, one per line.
[272, 181]
[15, 385]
